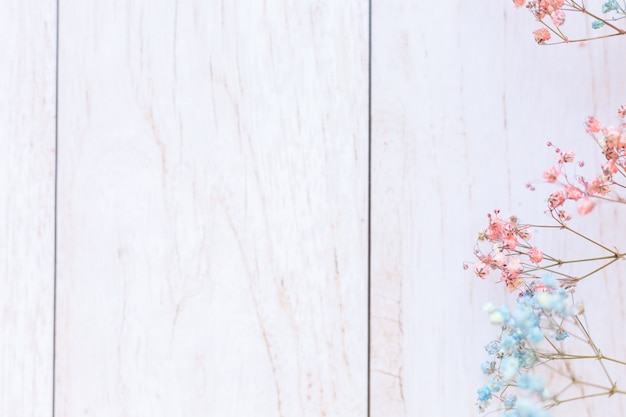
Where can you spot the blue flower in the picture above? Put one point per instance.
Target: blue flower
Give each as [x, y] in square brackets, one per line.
[549, 281]
[493, 347]
[535, 335]
[484, 393]
[495, 384]
[555, 301]
[524, 318]
[510, 400]
[531, 383]
[526, 407]
[597, 24]
[497, 315]
[509, 367]
[528, 357]
[488, 367]
[509, 342]
[560, 335]
[609, 6]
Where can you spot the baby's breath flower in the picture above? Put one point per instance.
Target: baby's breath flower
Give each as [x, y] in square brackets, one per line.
[535, 255]
[509, 400]
[531, 383]
[564, 215]
[499, 315]
[484, 393]
[592, 124]
[542, 35]
[556, 199]
[609, 6]
[549, 281]
[509, 367]
[527, 407]
[585, 207]
[488, 367]
[597, 24]
[492, 347]
[551, 174]
[558, 17]
[567, 156]
[481, 269]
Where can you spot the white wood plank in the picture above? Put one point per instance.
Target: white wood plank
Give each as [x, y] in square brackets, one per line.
[213, 207]
[463, 105]
[27, 96]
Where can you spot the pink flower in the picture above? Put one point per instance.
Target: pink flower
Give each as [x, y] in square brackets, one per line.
[485, 259]
[558, 17]
[612, 136]
[621, 112]
[512, 281]
[556, 199]
[573, 193]
[481, 270]
[499, 260]
[551, 174]
[567, 156]
[539, 8]
[585, 207]
[535, 255]
[509, 242]
[597, 186]
[542, 35]
[523, 232]
[609, 168]
[564, 215]
[495, 229]
[514, 266]
[556, 4]
[611, 154]
[519, 3]
[592, 124]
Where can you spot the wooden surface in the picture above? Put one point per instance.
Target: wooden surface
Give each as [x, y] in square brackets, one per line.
[212, 208]
[27, 110]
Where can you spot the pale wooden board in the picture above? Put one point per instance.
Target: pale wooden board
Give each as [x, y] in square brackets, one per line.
[212, 255]
[463, 103]
[27, 99]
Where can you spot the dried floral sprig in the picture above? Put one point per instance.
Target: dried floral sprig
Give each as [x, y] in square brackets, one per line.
[533, 342]
[605, 186]
[553, 14]
[543, 334]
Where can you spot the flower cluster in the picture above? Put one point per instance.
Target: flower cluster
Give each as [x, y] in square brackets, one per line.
[612, 141]
[544, 337]
[510, 254]
[583, 191]
[576, 189]
[540, 314]
[552, 14]
[533, 334]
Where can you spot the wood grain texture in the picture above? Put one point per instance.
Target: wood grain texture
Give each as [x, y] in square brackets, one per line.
[212, 208]
[463, 105]
[27, 86]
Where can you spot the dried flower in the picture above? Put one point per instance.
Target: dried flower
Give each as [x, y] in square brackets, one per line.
[542, 35]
